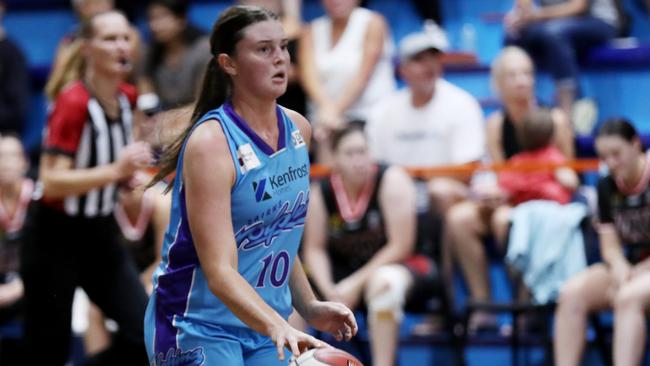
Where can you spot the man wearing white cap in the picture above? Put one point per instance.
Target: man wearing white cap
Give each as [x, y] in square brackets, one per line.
[431, 122]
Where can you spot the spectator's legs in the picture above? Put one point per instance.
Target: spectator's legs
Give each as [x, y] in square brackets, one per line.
[465, 228]
[385, 295]
[429, 9]
[557, 44]
[588, 291]
[499, 224]
[629, 320]
[445, 192]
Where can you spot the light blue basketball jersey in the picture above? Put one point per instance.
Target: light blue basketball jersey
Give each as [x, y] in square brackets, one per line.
[269, 205]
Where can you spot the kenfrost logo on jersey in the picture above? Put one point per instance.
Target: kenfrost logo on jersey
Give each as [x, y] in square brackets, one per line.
[288, 217]
[177, 357]
[259, 187]
[279, 180]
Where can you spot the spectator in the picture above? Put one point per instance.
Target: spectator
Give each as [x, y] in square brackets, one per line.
[16, 195]
[14, 81]
[71, 238]
[470, 221]
[431, 122]
[535, 136]
[290, 15]
[345, 65]
[620, 283]
[558, 33]
[177, 56]
[360, 230]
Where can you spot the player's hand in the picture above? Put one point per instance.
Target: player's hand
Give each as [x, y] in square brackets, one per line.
[349, 291]
[284, 335]
[332, 317]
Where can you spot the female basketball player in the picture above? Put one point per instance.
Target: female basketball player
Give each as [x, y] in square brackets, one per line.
[230, 274]
[622, 282]
[70, 238]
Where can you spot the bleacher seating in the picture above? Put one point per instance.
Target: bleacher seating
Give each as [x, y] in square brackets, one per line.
[617, 76]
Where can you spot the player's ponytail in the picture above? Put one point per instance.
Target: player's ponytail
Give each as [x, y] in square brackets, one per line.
[216, 89]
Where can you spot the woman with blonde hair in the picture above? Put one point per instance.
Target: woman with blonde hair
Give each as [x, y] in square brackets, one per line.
[468, 222]
[71, 236]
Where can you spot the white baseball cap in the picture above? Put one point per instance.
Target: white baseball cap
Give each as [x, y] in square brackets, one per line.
[432, 37]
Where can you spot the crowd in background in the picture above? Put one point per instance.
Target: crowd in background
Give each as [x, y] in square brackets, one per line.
[375, 239]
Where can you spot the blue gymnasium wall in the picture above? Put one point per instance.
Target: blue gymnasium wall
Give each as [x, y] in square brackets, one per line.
[38, 25]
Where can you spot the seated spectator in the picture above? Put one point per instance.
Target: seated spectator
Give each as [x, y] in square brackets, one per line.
[177, 56]
[536, 139]
[621, 282]
[359, 233]
[558, 32]
[16, 195]
[431, 122]
[470, 221]
[14, 83]
[345, 66]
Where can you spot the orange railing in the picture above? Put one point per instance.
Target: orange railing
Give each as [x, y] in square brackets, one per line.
[579, 165]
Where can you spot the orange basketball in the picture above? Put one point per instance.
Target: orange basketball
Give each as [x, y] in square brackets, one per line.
[326, 357]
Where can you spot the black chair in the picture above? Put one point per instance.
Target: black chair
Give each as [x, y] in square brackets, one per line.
[543, 313]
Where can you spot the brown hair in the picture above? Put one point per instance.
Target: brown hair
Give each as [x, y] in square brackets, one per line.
[536, 130]
[227, 31]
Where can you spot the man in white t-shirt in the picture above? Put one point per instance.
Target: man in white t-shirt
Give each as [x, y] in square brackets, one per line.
[431, 122]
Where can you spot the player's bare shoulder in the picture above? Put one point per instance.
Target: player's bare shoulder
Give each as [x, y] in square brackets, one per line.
[301, 122]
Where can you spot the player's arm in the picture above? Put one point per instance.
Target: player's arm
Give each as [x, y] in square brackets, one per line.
[326, 316]
[303, 125]
[315, 242]
[397, 203]
[208, 176]
[159, 220]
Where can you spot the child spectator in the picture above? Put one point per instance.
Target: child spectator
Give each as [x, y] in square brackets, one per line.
[536, 140]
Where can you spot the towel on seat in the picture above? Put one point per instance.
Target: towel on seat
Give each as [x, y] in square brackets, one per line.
[546, 245]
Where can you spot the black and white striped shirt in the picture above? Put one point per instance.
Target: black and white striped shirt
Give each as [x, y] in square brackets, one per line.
[78, 127]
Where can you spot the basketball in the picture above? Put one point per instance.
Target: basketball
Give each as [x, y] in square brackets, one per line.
[325, 357]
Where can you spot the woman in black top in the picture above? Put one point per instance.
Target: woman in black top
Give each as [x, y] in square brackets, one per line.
[470, 221]
[622, 282]
[360, 227]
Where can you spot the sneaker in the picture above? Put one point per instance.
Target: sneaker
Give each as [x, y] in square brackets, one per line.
[584, 116]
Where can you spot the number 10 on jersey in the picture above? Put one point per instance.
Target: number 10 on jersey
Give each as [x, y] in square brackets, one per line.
[276, 266]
